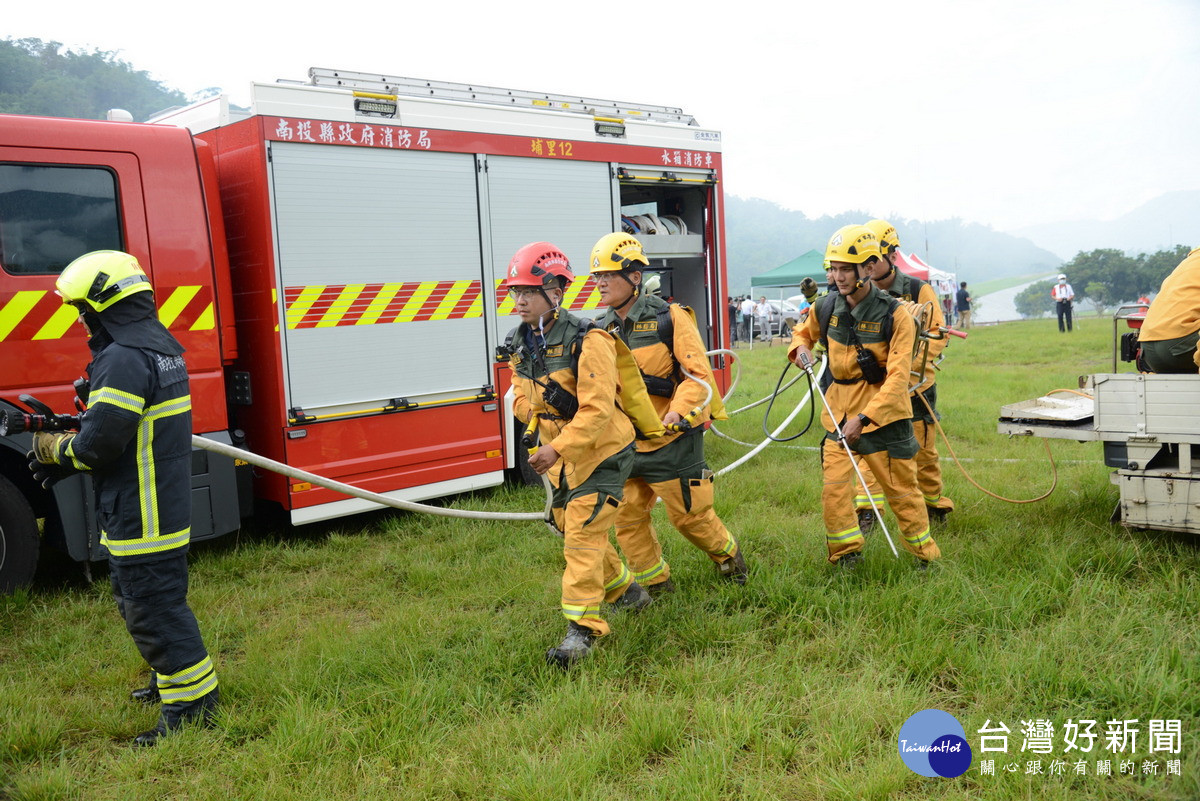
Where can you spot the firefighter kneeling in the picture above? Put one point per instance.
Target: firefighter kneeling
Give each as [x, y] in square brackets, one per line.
[664, 338]
[569, 384]
[869, 337]
[136, 440]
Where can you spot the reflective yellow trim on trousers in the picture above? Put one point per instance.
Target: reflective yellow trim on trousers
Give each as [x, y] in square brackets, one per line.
[862, 502]
[573, 612]
[919, 539]
[730, 549]
[622, 578]
[845, 536]
[188, 684]
[115, 397]
[644, 576]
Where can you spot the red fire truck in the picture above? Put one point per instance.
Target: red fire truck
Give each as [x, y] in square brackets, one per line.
[330, 259]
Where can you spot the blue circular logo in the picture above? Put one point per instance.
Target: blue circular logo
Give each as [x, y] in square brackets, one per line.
[933, 743]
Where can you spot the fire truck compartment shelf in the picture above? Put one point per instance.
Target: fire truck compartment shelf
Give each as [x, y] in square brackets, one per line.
[664, 246]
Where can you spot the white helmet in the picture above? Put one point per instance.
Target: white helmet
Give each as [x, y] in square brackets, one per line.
[1062, 276]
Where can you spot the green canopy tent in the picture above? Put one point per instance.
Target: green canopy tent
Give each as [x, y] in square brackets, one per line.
[810, 265]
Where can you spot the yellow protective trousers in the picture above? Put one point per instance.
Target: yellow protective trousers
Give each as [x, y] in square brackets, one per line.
[897, 477]
[678, 474]
[594, 572]
[929, 469]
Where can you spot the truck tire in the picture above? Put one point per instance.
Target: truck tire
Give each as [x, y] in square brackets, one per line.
[19, 539]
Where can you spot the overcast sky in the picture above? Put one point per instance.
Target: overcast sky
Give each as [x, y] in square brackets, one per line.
[1004, 112]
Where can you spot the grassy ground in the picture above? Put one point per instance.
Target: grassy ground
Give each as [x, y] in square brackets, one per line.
[401, 656]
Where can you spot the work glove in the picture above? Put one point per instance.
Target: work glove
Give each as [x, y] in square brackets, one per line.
[47, 445]
[47, 475]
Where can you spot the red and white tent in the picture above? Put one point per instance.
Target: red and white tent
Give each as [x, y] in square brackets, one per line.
[911, 264]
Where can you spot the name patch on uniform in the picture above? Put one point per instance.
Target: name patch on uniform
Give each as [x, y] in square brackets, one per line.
[171, 369]
[557, 350]
[867, 325]
[648, 325]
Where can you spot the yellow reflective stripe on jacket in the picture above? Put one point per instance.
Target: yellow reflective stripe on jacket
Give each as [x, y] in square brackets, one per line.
[145, 545]
[118, 398]
[147, 483]
[69, 452]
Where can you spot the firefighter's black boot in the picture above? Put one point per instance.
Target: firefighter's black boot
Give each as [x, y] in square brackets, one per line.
[574, 647]
[174, 716]
[635, 598]
[661, 588]
[734, 568]
[866, 520]
[147, 695]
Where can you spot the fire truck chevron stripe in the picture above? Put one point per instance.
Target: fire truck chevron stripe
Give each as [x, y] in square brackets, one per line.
[39, 314]
[337, 305]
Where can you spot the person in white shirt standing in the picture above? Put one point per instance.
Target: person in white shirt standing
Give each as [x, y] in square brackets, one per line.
[1063, 295]
[762, 310]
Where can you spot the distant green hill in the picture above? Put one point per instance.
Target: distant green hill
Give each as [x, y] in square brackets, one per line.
[761, 235]
[42, 78]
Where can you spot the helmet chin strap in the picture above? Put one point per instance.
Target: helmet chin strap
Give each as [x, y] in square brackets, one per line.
[632, 297]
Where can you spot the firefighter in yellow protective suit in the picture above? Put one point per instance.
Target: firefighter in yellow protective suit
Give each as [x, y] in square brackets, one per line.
[902, 286]
[665, 341]
[565, 384]
[869, 337]
[1172, 326]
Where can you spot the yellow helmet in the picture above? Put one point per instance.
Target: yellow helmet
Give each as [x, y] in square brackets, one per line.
[617, 252]
[885, 232]
[102, 278]
[853, 244]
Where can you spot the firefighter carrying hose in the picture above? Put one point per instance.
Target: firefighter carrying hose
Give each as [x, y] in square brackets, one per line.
[565, 377]
[663, 338]
[888, 278]
[135, 439]
[869, 337]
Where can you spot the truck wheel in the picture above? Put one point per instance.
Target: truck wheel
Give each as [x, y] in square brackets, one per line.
[19, 539]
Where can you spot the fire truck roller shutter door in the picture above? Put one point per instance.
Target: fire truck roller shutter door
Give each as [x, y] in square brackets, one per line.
[379, 257]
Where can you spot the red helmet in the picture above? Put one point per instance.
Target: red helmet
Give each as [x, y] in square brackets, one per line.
[539, 264]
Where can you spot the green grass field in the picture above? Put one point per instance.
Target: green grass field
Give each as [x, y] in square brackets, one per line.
[401, 656]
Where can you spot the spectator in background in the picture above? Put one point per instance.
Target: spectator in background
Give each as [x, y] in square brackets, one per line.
[747, 318]
[963, 306]
[762, 310]
[1063, 296]
[733, 320]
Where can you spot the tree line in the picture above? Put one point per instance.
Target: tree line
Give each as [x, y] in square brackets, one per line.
[43, 78]
[1106, 277]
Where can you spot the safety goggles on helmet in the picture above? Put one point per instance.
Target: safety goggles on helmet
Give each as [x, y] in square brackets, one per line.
[885, 232]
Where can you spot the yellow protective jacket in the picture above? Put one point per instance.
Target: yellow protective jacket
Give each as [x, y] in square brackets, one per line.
[598, 429]
[1175, 311]
[639, 330]
[914, 290]
[883, 403]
